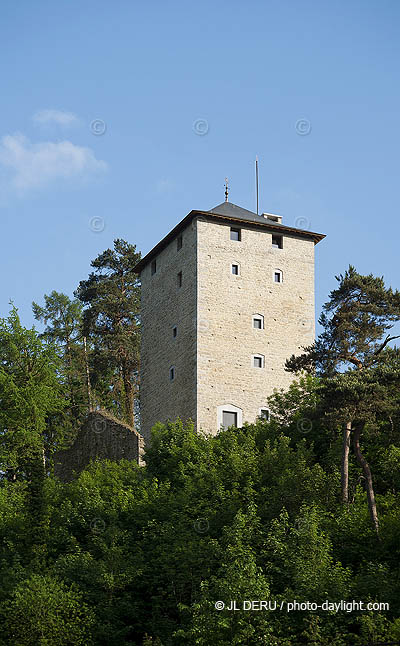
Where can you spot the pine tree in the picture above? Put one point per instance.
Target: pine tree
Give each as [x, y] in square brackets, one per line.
[352, 355]
[111, 296]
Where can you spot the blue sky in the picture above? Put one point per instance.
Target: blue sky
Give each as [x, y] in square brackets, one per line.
[99, 102]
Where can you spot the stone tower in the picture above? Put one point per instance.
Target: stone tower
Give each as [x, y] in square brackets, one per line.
[227, 297]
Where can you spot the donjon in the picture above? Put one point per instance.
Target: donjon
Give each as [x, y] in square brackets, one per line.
[227, 297]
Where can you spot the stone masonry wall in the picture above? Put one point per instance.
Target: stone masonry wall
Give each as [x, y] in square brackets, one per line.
[226, 303]
[101, 437]
[165, 305]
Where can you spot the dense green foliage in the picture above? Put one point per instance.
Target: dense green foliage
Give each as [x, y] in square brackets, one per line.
[139, 556]
[62, 318]
[250, 514]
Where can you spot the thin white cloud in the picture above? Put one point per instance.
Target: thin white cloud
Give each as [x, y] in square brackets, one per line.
[59, 117]
[26, 165]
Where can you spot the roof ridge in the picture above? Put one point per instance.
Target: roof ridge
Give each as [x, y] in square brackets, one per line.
[226, 211]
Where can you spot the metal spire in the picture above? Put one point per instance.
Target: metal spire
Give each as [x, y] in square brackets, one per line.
[257, 182]
[226, 189]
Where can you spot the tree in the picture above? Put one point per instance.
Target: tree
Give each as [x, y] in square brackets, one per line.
[44, 611]
[237, 578]
[356, 321]
[63, 319]
[30, 392]
[111, 296]
[248, 514]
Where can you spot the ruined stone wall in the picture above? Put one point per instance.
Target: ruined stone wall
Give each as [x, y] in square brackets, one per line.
[101, 437]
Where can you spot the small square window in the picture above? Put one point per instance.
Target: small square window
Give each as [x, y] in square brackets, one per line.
[179, 242]
[278, 276]
[229, 419]
[264, 413]
[258, 322]
[153, 267]
[257, 362]
[174, 331]
[236, 234]
[172, 373]
[179, 279]
[277, 241]
[235, 269]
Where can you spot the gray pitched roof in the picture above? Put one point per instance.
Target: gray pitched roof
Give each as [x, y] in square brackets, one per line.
[228, 209]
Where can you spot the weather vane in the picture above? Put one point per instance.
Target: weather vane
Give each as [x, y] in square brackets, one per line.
[226, 189]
